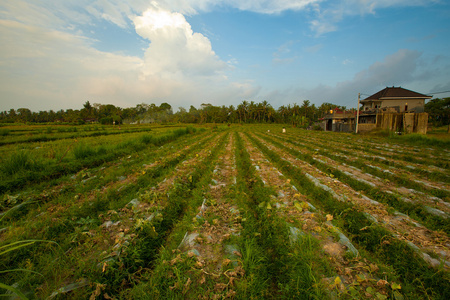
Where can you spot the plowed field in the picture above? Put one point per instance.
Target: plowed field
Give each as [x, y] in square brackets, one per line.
[240, 212]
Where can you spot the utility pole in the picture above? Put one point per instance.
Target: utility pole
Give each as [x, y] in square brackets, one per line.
[357, 114]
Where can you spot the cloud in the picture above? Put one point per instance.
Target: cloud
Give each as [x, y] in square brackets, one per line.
[47, 60]
[270, 7]
[43, 68]
[282, 55]
[174, 47]
[314, 48]
[330, 13]
[399, 68]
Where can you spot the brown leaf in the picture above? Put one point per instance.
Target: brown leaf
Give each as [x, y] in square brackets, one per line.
[239, 270]
[106, 296]
[219, 287]
[382, 282]
[230, 294]
[232, 279]
[175, 260]
[202, 280]
[373, 267]
[226, 262]
[237, 253]
[98, 289]
[175, 286]
[186, 285]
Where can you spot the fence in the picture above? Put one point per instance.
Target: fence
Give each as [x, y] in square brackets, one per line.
[406, 122]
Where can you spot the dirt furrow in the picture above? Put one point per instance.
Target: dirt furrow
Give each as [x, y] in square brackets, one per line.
[397, 167]
[304, 218]
[214, 233]
[429, 241]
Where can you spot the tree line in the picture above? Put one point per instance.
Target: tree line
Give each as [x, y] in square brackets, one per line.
[246, 112]
[303, 115]
[439, 112]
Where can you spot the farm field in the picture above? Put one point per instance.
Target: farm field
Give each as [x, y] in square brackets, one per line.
[221, 212]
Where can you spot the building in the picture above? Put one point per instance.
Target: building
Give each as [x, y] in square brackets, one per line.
[395, 109]
[396, 98]
[338, 120]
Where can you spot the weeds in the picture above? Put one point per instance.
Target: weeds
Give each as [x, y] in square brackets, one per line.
[137, 257]
[82, 151]
[19, 161]
[372, 237]
[4, 131]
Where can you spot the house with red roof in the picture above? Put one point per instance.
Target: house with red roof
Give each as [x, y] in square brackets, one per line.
[339, 120]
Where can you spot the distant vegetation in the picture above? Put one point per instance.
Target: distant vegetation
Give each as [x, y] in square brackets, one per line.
[247, 112]
[303, 116]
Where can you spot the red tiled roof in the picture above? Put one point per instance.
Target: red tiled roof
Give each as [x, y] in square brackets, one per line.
[395, 93]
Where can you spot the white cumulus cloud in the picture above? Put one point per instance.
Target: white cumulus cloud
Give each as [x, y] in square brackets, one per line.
[174, 47]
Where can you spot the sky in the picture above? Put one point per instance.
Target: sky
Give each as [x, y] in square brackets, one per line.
[59, 54]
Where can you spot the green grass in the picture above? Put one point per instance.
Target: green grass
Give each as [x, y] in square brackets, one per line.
[424, 140]
[66, 194]
[411, 268]
[289, 275]
[27, 171]
[18, 162]
[415, 210]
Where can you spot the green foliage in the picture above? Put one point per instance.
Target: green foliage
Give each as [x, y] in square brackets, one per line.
[4, 131]
[72, 210]
[371, 236]
[246, 112]
[82, 151]
[439, 111]
[424, 140]
[19, 161]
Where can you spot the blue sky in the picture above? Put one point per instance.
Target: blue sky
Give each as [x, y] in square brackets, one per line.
[59, 54]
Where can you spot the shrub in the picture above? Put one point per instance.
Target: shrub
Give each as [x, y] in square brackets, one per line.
[191, 129]
[317, 127]
[106, 121]
[147, 139]
[82, 151]
[4, 132]
[17, 162]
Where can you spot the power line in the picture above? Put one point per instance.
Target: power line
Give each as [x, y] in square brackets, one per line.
[439, 93]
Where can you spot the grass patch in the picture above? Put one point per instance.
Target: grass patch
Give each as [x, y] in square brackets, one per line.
[18, 162]
[407, 264]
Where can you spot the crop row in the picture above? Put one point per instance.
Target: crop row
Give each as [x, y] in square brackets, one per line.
[21, 168]
[373, 237]
[417, 210]
[238, 214]
[76, 226]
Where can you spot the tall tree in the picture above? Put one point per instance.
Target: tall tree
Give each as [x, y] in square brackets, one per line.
[439, 112]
